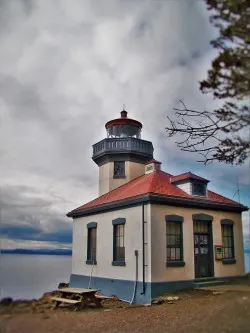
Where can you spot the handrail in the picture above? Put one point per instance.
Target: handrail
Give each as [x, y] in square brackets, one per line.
[122, 144]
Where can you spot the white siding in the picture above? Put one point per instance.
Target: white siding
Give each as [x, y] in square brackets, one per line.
[104, 254]
[186, 187]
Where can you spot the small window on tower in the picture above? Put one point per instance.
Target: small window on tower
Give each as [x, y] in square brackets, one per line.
[119, 169]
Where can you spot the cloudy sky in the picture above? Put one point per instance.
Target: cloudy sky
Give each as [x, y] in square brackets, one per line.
[67, 67]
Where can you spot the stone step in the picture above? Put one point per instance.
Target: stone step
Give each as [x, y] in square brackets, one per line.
[210, 283]
[204, 279]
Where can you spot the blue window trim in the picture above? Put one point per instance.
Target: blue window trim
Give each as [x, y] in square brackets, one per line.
[91, 225]
[91, 262]
[174, 218]
[178, 219]
[179, 263]
[202, 217]
[118, 263]
[226, 222]
[117, 221]
[229, 261]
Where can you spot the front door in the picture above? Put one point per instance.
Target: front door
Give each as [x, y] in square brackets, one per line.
[202, 251]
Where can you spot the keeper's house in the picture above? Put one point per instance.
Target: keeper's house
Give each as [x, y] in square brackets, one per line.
[151, 232]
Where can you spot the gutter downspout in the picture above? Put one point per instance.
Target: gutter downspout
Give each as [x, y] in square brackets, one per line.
[91, 274]
[136, 276]
[143, 251]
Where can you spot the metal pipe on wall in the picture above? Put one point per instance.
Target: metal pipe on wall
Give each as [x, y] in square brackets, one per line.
[143, 250]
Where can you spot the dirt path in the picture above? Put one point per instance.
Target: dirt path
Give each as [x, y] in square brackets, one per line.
[203, 313]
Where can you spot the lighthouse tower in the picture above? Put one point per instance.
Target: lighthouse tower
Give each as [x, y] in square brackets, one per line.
[121, 156]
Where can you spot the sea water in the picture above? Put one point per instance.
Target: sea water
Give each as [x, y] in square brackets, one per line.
[30, 276]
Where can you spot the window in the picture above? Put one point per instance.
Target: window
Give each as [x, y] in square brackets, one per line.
[199, 189]
[91, 250]
[227, 242]
[119, 169]
[201, 227]
[119, 242]
[174, 241]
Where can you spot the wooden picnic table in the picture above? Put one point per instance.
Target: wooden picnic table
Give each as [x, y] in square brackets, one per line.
[80, 297]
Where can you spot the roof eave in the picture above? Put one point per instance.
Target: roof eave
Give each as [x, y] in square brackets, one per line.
[159, 199]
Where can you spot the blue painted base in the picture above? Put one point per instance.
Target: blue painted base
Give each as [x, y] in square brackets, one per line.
[124, 289]
[160, 288]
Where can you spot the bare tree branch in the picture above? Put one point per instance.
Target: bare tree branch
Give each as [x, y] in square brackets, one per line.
[207, 131]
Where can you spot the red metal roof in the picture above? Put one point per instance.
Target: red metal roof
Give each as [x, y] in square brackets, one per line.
[124, 120]
[157, 182]
[187, 175]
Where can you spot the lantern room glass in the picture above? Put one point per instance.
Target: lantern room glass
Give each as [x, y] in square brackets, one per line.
[123, 131]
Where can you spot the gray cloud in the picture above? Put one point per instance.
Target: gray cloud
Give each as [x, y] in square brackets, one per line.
[66, 69]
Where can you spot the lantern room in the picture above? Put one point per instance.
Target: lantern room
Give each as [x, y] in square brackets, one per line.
[123, 127]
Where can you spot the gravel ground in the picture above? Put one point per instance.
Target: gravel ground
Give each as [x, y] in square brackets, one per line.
[195, 312]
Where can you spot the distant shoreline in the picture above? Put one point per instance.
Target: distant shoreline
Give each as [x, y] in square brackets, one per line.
[38, 251]
[62, 252]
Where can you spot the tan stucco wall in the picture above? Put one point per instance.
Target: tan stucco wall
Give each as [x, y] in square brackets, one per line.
[158, 244]
[104, 256]
[108, 183]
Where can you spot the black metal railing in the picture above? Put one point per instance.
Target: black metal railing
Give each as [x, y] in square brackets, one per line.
[117, 145]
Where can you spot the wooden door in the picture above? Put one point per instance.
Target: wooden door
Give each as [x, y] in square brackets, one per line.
[202, 249]
[201, 255]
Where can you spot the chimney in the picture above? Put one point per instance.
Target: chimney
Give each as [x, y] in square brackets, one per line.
[152, 166]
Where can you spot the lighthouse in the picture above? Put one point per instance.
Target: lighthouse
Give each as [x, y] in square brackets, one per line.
[122, 155]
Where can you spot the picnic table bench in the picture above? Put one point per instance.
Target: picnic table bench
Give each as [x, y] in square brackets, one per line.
[77, 296]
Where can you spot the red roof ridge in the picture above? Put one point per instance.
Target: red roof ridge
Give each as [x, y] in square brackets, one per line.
[186, 175]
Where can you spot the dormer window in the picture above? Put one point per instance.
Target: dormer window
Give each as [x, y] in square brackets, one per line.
[199, 189]
[191, 183]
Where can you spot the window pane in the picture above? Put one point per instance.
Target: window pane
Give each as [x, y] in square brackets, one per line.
[168, 253]
[91, 244]
[172, 253]
[201, 227]
[178, 253]
[177, 228]
[227, 242]
[199, 189]
[177, 240]
[119, 250]
[173, 241]
[121, 228]
[170, 227]
[119, 168]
